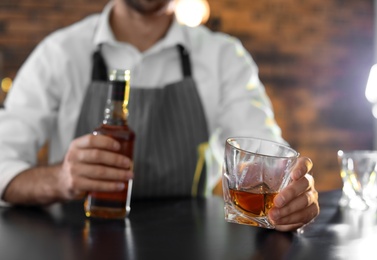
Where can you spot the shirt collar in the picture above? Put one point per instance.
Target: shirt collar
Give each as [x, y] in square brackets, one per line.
[104, 35]
[103, 32]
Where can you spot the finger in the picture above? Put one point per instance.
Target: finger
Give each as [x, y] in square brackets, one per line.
[284, 228]
[293, 190]
[96, 141]
[99, 172]
[303, 166]
[300, 217]
[301, 202]
[92, 185]
[97, 156]
[84, 181]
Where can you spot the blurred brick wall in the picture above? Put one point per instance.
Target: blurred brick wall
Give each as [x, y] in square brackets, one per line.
[314, 59]
[23, 23]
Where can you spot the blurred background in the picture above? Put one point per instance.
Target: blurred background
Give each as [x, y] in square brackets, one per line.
[314, 59]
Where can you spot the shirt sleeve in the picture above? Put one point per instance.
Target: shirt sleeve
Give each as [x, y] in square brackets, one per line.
[28, 116]
[244, 107]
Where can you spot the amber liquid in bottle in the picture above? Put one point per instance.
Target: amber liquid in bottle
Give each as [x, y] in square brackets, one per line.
[114, 205]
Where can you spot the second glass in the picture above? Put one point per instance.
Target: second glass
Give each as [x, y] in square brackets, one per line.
[358, 170]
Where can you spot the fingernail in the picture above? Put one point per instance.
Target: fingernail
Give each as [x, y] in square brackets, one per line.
[120, 186]
[116, 146]
[279, 201]
[126, 163]
[298, 175]
[274, 214]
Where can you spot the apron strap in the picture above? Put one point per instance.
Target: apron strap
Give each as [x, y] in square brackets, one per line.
[185, 61]
[99, 68]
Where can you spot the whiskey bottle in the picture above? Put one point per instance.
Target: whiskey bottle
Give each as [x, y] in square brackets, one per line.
[114, 205]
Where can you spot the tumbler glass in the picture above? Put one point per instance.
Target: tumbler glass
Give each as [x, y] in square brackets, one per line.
[358, 170]
[254, 172]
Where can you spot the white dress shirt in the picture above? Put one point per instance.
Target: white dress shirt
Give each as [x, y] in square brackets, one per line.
[45, 100]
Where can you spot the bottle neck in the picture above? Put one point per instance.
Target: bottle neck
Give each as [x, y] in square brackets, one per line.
[116, 110]
[114, 113]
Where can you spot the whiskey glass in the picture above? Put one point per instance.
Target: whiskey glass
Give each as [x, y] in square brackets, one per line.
[254, 172]
[358, 170]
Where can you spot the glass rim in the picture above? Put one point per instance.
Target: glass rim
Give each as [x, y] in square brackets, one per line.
[285, 146]
[343, 153]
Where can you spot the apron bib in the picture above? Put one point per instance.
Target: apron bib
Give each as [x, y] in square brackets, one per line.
[170, 127]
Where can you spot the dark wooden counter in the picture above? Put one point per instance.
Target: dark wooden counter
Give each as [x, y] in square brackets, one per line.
[179, 229]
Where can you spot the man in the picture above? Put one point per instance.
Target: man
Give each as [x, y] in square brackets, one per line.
[190, 89]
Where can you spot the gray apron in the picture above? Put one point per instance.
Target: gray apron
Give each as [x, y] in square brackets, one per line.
[170, 127]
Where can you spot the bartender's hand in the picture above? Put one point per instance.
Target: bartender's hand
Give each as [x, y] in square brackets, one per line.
[297, 204]
[93, 164]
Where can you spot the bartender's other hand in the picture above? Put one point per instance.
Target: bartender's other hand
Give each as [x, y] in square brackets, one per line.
[297, 204]
[93, 164]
